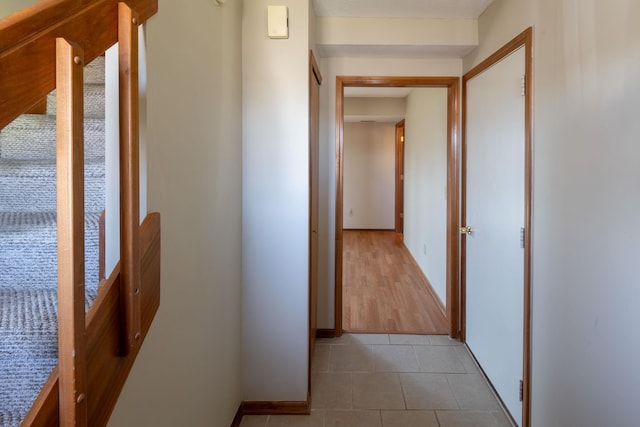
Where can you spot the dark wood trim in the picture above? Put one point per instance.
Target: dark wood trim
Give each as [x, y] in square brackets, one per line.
[39, 108]
[368, 229]
[325, 333]
[399, 178]
[523, 39]
[453, 183]
[237, 420]
[315, 80]
[27, 45]
[453, 210]
[277, 407]
[339, 205]
[72, 349]
[129, 177]
[45, 16]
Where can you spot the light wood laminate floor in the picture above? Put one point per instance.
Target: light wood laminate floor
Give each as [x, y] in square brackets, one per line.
[383, 289]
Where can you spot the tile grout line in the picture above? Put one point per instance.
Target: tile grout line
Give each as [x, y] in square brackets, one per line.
[446, 377]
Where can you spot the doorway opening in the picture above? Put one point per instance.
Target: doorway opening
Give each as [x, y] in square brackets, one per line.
[452, 85]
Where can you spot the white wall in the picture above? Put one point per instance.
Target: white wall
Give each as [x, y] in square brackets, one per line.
[425, 184]
[585, 179]
[369, 176]
[188, 371]
[371, 106]
[275, 216]
[332, 67]
[399, 36]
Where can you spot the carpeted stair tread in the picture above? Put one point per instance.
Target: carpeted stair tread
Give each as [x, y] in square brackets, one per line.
[17, 139]
[93, 101]
[28, 244]
[21, 379]
[30, 185]
[28, 322]
[35, 168]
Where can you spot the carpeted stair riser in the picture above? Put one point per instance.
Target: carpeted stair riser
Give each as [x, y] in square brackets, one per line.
[29, 249]
[30, 185]
[93, 101]
[94, 72]
[17, 141]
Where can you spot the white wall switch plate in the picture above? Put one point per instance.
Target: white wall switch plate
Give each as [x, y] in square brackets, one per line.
[278, 22]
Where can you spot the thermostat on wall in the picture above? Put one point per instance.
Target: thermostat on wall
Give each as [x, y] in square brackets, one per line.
[278, 22]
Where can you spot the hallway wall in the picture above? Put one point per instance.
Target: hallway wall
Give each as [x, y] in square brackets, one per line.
[188, 371]
[275, 205]
[586, 181]
[369, 175]
[425, 184]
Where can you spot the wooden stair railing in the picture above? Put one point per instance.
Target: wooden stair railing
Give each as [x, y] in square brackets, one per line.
[43, 48]
[129, 177]
[70, 201]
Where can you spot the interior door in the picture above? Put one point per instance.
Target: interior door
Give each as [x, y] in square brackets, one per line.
[495, 212]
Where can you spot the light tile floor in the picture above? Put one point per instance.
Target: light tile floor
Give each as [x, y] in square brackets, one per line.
[379, 380]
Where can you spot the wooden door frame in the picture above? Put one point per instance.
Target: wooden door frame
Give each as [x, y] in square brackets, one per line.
[524, 39]
[453, 184]
[315, 77]
[399, 196]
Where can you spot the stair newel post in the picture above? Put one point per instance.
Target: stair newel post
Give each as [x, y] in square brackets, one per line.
[131, 333]
[70, 207]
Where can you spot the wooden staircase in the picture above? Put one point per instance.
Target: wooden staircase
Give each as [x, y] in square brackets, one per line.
[44, 48]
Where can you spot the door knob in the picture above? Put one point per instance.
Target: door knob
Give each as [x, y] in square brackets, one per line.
[465, 230]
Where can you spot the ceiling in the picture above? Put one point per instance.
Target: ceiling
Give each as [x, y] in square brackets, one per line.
[402, 8]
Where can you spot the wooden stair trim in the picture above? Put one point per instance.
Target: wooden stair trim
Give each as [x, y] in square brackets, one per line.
[72, 357]
[28, 38]
[129, 178]
[106, 370]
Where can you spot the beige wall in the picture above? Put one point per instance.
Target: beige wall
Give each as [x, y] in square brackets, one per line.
[370, 106]
[275, 209]
[425, 184]
[7, 7]
[188, 372]
[369, 175]
[585, 180]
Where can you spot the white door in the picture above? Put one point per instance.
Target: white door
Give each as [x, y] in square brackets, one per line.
[495, 136]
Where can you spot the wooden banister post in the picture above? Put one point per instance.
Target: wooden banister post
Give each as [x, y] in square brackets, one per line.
[70, 206]
[129, 179]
